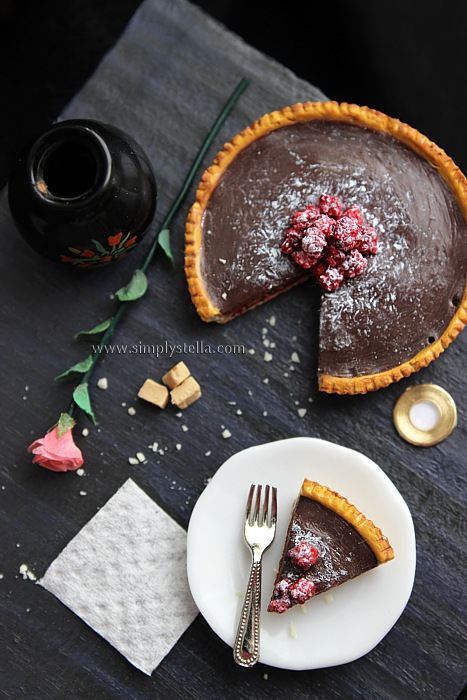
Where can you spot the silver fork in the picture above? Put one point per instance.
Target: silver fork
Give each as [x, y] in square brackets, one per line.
[259, 531]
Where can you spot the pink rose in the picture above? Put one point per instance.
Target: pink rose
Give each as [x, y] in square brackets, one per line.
[59, 454]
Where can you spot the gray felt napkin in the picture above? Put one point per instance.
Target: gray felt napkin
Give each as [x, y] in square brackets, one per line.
[124, 574]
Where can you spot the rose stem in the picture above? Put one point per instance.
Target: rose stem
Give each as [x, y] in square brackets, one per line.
[122, 306]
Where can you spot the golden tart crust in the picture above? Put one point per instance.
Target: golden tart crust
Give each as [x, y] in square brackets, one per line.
[348, 114]
[372, 535]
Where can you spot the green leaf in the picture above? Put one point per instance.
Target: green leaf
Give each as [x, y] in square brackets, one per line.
[82, 400]
[135, 288]
[65, 423]
[164, 242]
[99, 246]
[80, 368]
[96, 330]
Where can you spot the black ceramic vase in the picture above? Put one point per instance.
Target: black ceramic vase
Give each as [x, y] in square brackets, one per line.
[83, 193]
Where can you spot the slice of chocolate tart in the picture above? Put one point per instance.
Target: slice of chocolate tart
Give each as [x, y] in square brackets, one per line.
[411, 300]
[328, 542]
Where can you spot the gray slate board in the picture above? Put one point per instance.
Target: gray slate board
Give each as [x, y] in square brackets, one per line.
[164, 83]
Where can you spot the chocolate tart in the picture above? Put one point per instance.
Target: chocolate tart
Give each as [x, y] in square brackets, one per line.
[411, 301]
[346, 542]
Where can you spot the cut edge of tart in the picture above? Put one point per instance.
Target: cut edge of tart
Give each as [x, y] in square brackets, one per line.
[304, 570]
[348, 114]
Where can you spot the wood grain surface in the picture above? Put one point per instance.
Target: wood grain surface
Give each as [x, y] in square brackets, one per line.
[165, 82]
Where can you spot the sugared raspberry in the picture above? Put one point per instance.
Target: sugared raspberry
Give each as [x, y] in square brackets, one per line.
[279, 605]
[282, 588]
[314, 242]
[302, 590]
[333, 256]
[353, 265]
[292, 241]
[330, 205]
[281, 600]
[368, 241]
[304, 219]
[321, 239]
[346, 233]
[319, 269]
[303, 555]
[325, 224]
[354, 213]
[331, 279]
[303, 259]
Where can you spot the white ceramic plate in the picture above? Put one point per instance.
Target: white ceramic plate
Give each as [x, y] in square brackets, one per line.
[322, 632]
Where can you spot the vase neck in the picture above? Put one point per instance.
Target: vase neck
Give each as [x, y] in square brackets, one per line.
[70, 165]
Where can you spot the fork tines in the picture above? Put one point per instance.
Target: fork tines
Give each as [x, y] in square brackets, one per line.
[264, 510]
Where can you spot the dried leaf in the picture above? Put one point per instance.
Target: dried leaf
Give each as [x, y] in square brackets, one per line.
[164, 242]
[135, 289]
[96, 330]
[83, 401]
[65, 423]
[80, 368]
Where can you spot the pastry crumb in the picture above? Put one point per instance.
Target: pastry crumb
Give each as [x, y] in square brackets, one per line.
[272, 321]
[133, 460]
[83, 493]
[295, 357]
[265, 676]
[226, 433]
[301, 412]
[80, 472]
[154, 447]
[178, 446]
[103, 383]
[267, 357]
[266, 380]
[140, 457]
[208, 453]
[131, 411]
[26, 573]
[85, 432]
[185, 428]
[251, 351]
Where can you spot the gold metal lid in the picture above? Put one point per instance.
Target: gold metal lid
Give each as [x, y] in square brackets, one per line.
[425, 414]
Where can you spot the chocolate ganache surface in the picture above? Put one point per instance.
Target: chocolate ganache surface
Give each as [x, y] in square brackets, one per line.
[342, 552]
[410, 289]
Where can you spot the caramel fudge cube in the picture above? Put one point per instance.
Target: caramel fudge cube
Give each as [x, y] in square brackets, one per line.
[154, 393]
[186, 393]
[176, 375]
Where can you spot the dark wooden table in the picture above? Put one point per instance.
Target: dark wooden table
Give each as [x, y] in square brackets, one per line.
[165, 82]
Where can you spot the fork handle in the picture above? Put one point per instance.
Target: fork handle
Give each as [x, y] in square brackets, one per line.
[246, 646]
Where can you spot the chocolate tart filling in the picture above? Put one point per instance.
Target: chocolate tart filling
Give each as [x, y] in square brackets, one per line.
[410, 302]
[343, 554]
